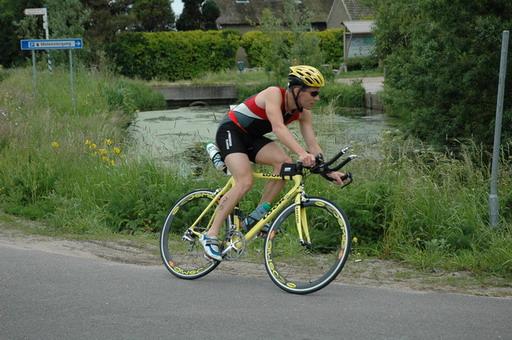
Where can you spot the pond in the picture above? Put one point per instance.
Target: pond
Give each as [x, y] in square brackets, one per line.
[168, 134]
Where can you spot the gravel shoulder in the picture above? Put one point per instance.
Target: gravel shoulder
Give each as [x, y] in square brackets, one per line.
[22, 234]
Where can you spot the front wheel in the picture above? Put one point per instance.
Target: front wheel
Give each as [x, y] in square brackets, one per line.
[305, 267]
[180, 249]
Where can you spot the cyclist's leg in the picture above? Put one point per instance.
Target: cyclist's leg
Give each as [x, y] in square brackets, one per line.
[272, 154]
[240, 168]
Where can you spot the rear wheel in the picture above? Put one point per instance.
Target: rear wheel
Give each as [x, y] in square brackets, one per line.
[303, 268]
[181, 251]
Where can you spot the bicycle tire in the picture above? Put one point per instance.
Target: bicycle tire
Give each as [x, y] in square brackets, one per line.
[185, 258]
[301, 269]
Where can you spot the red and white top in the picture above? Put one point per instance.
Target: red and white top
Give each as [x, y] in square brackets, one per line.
[253, 119]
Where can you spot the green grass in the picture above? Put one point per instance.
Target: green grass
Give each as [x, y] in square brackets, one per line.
[250, 82]
[78, 174]
[256, 76]
[225, 77]
[360, 74]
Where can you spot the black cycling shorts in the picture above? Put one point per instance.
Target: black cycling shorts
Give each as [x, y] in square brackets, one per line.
[231, 139]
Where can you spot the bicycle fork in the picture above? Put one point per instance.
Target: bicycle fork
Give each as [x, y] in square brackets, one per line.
[301, 220]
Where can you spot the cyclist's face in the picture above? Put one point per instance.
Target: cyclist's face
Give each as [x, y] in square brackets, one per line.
[309, 96]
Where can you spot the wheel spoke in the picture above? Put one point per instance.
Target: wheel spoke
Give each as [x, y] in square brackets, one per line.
[180, 249]
[304, 268]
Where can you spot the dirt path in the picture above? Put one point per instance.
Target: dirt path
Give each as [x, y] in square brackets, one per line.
[366, 272]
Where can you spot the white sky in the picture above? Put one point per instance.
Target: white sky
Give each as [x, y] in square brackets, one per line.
[177, 7]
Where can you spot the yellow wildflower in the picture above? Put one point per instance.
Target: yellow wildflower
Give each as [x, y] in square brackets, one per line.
[112, 162]
[108, 141]
[88, 142]
[117, 150]
[55, 145]
[102, 152]
[92, 146]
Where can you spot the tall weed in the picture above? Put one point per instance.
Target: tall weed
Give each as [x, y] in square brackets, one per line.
[76, 170]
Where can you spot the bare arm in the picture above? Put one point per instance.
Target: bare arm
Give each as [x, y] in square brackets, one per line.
[306, 129]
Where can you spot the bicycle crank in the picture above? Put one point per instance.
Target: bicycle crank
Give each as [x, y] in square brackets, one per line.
[234, 245]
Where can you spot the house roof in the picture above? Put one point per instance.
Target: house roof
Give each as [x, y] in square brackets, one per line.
[359, 26]
[246, 13]
[356, 10]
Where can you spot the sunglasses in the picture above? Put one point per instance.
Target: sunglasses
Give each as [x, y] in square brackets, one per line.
[313, 93]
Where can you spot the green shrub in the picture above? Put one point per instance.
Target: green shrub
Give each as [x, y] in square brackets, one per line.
[173, 55]
[362, 63]
[55, 164]
[343, 95]
[255, 44]
[331, 45]
[131, 96]
[442, 69]
[330, 42]
[3, 73]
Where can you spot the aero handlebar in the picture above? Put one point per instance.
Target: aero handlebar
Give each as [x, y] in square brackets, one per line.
[322, 167]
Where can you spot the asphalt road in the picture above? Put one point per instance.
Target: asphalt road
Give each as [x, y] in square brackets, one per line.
[49, 296]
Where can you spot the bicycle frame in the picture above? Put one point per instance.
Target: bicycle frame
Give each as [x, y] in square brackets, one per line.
[297, 251]
[296, 194]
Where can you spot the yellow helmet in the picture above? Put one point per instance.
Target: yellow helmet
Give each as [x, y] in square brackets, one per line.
[306, 76]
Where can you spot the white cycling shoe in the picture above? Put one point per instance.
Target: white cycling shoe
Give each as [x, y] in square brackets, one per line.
[211, 247]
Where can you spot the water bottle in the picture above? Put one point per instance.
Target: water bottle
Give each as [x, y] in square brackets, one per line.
[214, 153]
[256, 215]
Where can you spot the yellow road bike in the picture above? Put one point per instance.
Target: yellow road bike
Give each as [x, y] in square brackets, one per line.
[305, 248]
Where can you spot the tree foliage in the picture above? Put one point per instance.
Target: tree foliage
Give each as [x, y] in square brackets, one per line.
[11, 12]
[191, 18]
[198, 14]
[442, 59]
[210, 12]
[293, 47]
[107, 18]
[67, 18]
[154, 15]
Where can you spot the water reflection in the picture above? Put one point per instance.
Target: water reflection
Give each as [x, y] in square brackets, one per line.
[168, 134]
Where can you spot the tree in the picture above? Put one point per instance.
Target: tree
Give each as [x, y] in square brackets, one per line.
[107, 18]
[154, 15]
[11, 12]
[288, 42]
[442, 59]
[191, 18]
[67, 18]
[210, 12]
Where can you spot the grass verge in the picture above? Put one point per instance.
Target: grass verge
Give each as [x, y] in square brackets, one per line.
[76, 172]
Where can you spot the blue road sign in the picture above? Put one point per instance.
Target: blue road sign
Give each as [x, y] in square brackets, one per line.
[51, 44]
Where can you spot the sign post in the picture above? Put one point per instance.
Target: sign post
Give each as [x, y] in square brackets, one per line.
[71, 82]
[53, 44]
[34, 80]
[493, 195]
[42, 11]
